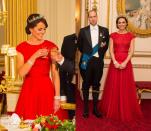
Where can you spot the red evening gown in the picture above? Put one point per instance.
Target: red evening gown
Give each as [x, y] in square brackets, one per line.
[119, 99]
[37, 93]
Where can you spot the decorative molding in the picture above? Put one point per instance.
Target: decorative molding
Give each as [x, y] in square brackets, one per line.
[94, 5]
[121, 9]
[142, 66]
[142, 54]
[18, 11]
[86, 11]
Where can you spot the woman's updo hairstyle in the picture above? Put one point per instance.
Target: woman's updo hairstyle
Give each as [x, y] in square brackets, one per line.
[33, 20]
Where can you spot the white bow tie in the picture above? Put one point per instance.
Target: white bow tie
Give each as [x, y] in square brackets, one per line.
[94, 28]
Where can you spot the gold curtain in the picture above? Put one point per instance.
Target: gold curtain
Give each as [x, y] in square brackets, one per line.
[18, 11]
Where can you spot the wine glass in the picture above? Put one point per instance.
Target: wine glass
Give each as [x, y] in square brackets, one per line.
[45, 47]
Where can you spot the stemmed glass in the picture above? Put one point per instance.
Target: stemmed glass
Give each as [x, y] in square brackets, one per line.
[45, 47]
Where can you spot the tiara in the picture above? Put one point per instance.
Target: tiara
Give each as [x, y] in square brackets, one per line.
[122, 15]
[35, 18]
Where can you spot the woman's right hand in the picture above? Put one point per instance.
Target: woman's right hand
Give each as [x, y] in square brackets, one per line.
[56, 105]
[40, 53]
[116, 64]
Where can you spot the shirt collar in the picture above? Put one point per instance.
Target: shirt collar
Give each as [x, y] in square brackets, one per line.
[93, 27]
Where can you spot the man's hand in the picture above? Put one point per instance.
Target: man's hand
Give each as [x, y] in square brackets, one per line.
[55, 55]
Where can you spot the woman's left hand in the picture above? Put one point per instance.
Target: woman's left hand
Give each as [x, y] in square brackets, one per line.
[123, 65]
[56, 105]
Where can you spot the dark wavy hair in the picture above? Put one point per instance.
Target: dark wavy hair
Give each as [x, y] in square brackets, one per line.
[123, 17]
[33, 20]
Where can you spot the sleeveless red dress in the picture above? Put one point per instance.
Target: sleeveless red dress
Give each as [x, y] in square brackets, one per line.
[37, 93]
[119, 99]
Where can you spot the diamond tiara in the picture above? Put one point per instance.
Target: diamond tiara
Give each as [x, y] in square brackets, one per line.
[35, 18]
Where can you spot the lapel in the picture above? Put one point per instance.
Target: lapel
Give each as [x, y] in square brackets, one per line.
[100, 32]
[88, 35]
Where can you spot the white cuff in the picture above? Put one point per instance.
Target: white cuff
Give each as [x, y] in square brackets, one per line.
[63, 98]
[61, 62]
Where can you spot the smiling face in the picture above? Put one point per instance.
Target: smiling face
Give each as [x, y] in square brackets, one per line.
[38, 31]
[121, 23]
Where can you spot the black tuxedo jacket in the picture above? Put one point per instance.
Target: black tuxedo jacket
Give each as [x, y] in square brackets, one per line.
[85, 43]
[69, 46]
[68, 50]
[67, 69]
[67, 66]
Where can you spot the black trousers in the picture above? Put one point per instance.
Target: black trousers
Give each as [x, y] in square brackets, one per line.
[67, 88]
[93, 74]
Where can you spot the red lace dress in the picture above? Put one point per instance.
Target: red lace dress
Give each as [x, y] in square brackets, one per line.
[37, 93]
[119, 100]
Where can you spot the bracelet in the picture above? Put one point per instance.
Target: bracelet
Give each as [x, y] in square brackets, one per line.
[57, 97]
[29, 62]
[115, 62]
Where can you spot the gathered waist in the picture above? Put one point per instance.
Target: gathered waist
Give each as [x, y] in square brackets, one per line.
[38, 75]
[123, 51]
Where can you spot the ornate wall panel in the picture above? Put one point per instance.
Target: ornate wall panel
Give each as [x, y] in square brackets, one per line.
[18, 11]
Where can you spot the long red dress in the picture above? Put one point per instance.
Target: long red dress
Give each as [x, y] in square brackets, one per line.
[37, 93]
[119, 99]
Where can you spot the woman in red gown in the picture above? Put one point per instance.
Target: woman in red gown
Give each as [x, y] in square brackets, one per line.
[40, 95]
[119, 99]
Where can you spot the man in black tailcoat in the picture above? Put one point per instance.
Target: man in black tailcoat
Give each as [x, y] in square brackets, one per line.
[93, 43]
[66, 61]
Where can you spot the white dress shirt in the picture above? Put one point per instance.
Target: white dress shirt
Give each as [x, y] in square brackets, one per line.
[94, 31]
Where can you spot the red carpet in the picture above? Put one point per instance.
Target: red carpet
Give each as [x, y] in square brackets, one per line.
[102, 124]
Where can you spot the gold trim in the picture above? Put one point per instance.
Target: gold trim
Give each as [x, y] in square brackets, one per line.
[2, 64]
[68, 106]
[142, 66]
[18, 12]
[140, 91]
[141, 55]
[78, 16]
[108, 23]
[139, 32]
[144, 51]
[2, 128]
[86, 11]
[95, 5]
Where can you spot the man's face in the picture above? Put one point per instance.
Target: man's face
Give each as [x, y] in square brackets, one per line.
[93, 18]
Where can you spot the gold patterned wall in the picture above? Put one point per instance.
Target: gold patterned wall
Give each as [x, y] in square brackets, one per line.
[18, 11]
